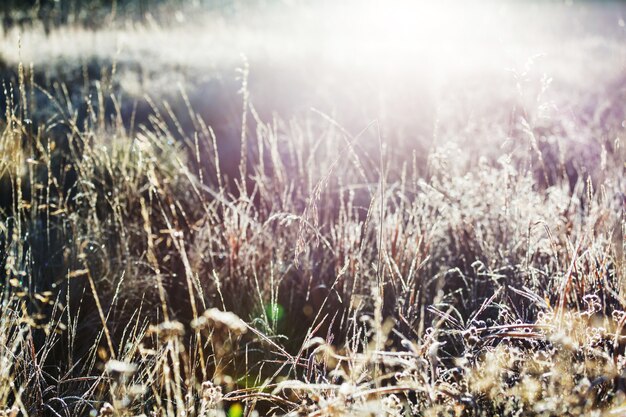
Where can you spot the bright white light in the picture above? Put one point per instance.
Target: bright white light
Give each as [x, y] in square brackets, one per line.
[437, 36]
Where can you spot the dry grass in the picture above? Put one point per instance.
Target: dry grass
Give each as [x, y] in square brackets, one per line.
[153, 268]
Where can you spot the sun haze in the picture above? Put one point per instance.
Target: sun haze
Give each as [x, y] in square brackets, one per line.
[317, 208]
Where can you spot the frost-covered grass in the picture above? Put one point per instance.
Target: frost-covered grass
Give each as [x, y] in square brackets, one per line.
[313, 228]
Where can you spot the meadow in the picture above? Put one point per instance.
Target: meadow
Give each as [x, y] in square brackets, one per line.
[313, 208]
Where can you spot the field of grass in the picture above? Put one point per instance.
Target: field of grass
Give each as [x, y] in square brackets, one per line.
[320, 209]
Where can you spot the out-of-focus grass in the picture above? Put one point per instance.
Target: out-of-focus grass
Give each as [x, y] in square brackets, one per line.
[180, 238]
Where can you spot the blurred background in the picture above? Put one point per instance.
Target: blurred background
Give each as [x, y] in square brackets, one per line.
[428, 73]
